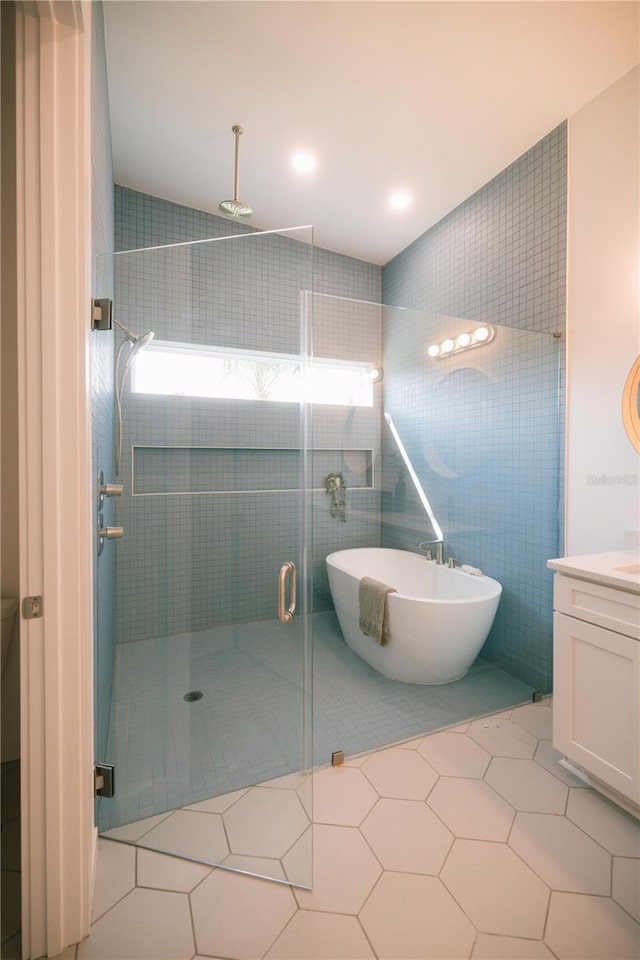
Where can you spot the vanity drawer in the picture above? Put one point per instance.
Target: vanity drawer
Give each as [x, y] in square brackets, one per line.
[614, 609]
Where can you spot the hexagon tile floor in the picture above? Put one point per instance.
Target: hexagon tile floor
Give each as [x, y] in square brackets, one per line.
[467, 843]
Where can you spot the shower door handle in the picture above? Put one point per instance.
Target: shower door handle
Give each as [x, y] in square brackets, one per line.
[286, 616]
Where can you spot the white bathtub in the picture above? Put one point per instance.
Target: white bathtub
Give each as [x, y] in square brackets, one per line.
[438, 619]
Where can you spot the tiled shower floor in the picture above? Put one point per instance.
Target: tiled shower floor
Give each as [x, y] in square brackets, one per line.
[246, 728]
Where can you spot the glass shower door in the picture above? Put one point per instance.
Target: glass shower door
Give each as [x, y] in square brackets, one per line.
[210, 722]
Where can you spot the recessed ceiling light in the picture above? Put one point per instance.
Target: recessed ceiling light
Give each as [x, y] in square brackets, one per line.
[303, 163]
[400, 200]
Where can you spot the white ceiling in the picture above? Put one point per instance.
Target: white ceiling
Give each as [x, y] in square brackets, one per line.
[432, 97]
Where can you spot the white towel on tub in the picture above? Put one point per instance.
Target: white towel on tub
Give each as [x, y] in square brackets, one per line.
[372, 597]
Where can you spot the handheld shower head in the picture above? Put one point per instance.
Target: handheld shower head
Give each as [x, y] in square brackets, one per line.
[141, 341]
[136, 343]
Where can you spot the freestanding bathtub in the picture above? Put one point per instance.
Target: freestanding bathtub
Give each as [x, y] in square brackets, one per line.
[438, 619]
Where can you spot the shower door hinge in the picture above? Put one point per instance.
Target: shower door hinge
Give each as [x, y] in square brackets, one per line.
[104, 780]
[101, 314]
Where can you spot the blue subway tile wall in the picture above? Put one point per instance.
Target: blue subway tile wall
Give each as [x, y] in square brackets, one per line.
[485, 428]
[193, 560]
[102, 386]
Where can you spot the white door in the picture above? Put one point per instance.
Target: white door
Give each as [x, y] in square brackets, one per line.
[53, 245]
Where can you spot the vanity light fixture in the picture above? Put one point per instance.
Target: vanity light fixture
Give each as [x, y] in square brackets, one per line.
[463, 341]
[375, 374]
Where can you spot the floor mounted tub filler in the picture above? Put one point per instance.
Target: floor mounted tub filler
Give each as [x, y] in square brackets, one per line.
[439, 618]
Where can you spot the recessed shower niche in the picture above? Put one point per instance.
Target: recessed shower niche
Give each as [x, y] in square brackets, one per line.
[182, 470]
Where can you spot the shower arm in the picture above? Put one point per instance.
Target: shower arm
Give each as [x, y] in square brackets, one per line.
[129, 334]
[237, 130]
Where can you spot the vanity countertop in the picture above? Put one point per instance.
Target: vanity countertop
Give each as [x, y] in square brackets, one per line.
[620, 569]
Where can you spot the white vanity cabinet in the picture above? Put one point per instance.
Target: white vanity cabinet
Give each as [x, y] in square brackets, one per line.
[596, 684]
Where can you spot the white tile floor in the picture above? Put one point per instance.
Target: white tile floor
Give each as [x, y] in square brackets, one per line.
[467, 843]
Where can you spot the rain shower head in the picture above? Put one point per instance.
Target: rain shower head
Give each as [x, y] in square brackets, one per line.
[236, 208]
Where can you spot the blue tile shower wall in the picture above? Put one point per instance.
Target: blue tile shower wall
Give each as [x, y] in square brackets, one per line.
[481, 430]
[102, 386]
[485, 428]
[145, 221]
[346, 330]
[191, 561]
[500, 256]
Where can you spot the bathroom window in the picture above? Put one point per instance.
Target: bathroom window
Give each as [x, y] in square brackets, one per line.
[186, 370]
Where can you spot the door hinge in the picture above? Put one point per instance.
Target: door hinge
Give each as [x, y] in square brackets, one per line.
[32, 608]
[101, 314]
[104, 780]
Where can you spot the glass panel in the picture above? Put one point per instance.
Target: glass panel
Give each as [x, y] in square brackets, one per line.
[465, 449]
[104, 570]
[210, 716]
[481, 425]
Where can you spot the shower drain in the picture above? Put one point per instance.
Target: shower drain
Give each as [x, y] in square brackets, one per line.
[193, 695]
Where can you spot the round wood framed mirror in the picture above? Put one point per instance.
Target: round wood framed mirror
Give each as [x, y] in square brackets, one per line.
[631, 405]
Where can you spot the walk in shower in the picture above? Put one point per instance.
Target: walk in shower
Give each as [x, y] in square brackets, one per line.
[211, 692]
[253, 394]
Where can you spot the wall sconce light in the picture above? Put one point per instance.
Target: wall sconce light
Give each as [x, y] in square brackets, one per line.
[464, 341]
[375, 374]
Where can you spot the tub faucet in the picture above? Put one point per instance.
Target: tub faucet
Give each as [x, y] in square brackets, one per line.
[425, 547]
